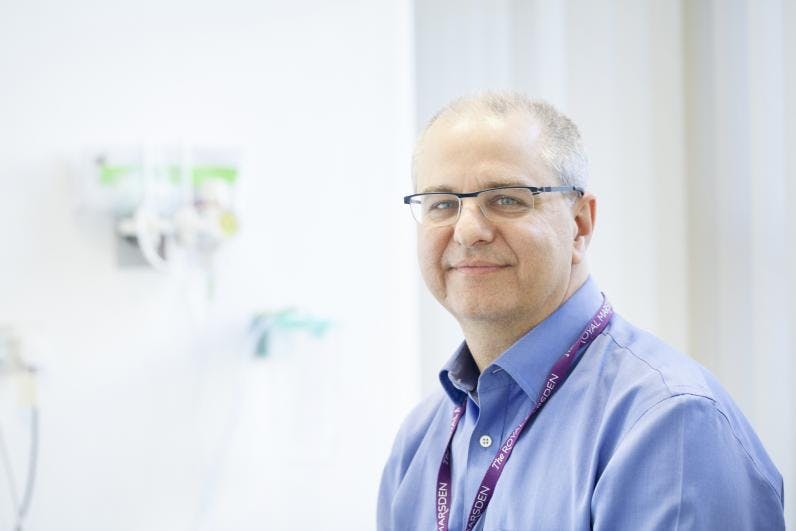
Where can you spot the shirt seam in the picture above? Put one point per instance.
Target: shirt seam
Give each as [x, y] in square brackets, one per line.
[669, 388]
[746, 453]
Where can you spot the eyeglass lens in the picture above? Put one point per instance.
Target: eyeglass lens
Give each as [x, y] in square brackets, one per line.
[497, 205]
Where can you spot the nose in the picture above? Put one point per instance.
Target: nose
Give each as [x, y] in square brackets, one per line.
[472, 228]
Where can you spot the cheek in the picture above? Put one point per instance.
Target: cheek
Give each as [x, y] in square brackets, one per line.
[430, 247]
[538, 249]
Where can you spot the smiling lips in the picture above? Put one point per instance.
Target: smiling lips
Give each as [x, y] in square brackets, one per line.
[477, 267]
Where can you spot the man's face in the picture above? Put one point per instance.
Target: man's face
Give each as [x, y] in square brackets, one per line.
[478, 269]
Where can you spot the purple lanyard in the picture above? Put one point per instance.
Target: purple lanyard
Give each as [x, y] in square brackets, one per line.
[558, 374]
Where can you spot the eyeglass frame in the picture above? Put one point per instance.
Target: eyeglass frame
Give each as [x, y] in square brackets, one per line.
[535, 190]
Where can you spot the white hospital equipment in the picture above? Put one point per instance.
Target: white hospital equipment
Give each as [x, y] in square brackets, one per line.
[174, 204]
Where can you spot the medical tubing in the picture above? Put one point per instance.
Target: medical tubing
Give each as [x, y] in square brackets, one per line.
[12, 484]
[27, 497]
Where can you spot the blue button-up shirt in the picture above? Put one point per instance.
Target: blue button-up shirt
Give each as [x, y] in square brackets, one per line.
[639, 437]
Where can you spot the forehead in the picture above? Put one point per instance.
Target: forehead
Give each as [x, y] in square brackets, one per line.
[465, 153]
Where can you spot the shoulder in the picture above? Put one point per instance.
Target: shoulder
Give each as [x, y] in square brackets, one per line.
[415, 426]
[630, 371]
[639, 355]
[682, 465]
[408, 441]
[658, 390]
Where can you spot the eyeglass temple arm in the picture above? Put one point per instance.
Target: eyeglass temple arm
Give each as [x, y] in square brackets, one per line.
[538, 189]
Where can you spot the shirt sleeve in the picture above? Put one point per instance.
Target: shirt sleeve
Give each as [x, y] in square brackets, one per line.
[404, 448]
[682, 467]
[390, 478]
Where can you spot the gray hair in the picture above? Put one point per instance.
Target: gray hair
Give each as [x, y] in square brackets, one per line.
[560, 144]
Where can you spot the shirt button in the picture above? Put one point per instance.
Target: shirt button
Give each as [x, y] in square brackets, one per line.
[486, 441]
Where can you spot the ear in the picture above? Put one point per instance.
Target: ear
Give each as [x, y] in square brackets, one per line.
[584, 212]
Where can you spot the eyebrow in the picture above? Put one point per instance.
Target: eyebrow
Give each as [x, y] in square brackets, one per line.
[487, 185]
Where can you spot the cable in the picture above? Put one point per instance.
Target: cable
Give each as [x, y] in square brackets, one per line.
[27, 497]
[215, 466]
[21, 509]
[12, 483]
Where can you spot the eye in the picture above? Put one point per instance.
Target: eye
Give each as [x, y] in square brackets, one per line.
[505, 200]
[442, 205]
[510, 201]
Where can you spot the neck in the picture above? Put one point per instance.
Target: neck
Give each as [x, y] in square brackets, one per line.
[487, 340]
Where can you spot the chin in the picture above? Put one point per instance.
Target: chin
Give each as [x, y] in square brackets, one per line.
[479, 310]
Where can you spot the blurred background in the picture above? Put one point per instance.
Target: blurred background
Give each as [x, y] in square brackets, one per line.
[210, 311]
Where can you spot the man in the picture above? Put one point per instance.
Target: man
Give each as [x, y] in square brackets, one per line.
[555, 413]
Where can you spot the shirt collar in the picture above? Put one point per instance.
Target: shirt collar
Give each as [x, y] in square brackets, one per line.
[529, 360]
[460, 374]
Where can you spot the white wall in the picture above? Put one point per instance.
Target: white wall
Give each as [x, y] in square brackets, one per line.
[153, 420]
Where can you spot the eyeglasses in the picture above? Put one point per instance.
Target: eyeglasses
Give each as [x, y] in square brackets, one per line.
[506, 203]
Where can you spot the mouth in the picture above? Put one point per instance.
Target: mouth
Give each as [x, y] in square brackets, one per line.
[477, 268]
